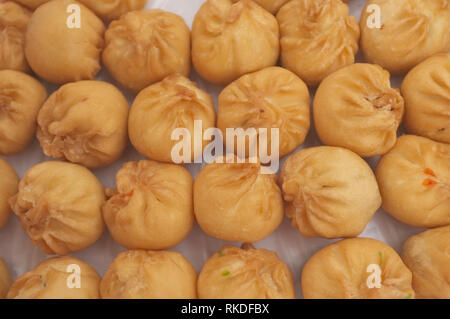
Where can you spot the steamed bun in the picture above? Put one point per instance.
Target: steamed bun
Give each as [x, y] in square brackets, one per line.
[21, 97]
[427, 255]
[140, 274]
[85, 123]
[13, 24]
[8, 187]
[60, 54]
[152, 206]
[49, 280]
[236, 202]
[330, 192]
[231, 38]
[414, 180]
[341, 271]
[318, 37]
[158, 110]
[356, 108]
[271, 98]
[143, 47]
[245, 273]
[59, 206]
[411, 31]
[426, 90]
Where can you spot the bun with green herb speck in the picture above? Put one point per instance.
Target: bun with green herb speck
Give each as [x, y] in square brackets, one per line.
[245, 273]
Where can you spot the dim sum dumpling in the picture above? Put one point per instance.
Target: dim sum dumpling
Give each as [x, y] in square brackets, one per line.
[245, 273]
[348, 269]
[21, 97]
[84, 122]
[174, 103]
[143, 47]
[356, 108]
[51, 279]
[237, 202]
[271, 98]
[140, 274]
[409, 32]
[231, 38]
[427, 255]
[152, 206]
[318, 37]
[330, 192]
[59, 53]
[414, 179]
[426, 90]
[59, 206]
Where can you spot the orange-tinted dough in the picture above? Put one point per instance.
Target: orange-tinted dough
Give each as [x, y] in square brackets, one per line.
[414, 180]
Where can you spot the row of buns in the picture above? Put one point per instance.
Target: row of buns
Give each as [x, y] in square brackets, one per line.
[142, 47]
[339, 270]
[89, 122]
[326, 191]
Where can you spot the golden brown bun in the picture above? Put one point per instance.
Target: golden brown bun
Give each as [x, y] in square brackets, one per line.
[21, 97]
[356, 108]
[340, 271]
[236, 202]
[152, 206]
[411, 31]
[330, 192]
[59, 206]
[175, 102]
[414, 179]
[60, 54]
[143, 47]
[231, 38]
[139, 274]
[271, 98]
[318, 37]
[85, 123]
[53, 279]
[245, 273]
[426, 90]
[427, 255]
